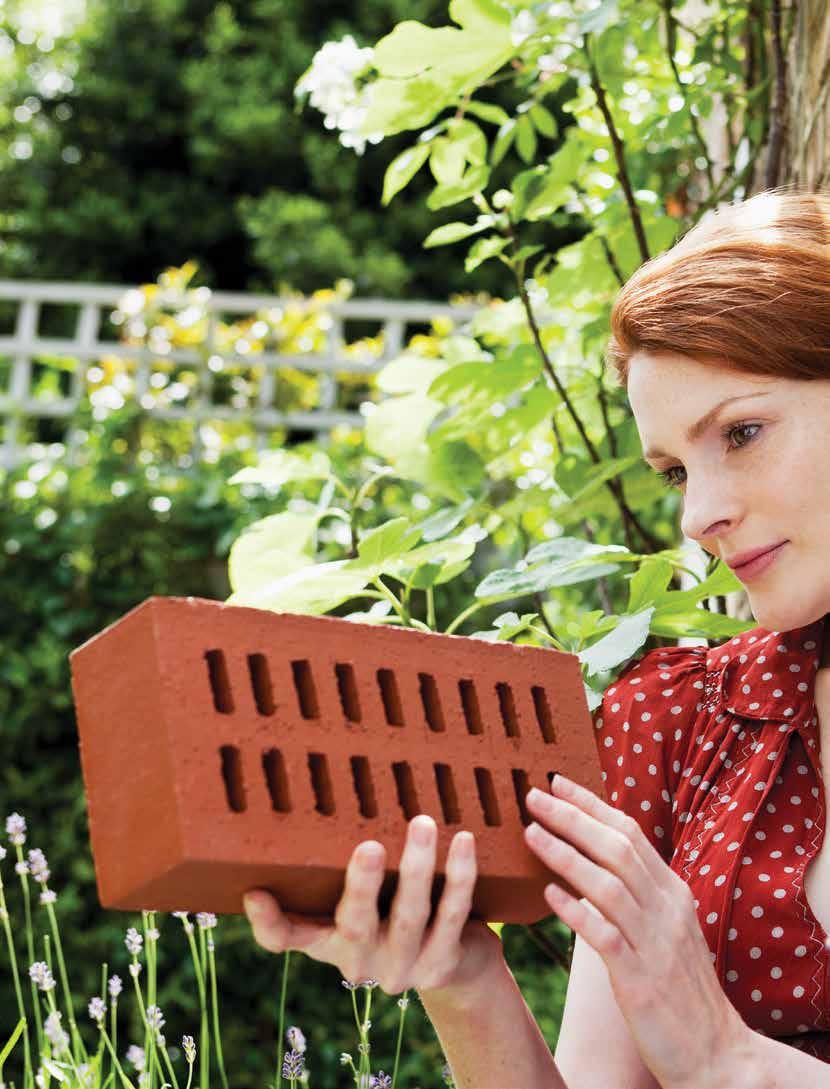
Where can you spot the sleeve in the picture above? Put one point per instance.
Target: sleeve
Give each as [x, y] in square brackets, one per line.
[643, 730]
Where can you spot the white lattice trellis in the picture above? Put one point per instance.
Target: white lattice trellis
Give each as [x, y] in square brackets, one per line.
[26, 344]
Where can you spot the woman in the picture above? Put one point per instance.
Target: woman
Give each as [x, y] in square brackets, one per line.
[700, 957]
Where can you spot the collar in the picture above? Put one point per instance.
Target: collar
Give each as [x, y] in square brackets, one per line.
[764, 674]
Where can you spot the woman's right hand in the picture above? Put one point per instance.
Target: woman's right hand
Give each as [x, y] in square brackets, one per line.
[402, 951]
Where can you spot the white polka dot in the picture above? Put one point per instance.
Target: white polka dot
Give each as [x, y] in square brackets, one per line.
[756, 995]
[776, 1015]
[732, 975]
[798, 992]
[776, 972]
[755, 952]
[777, 931]
[732, 935]
[800, 950]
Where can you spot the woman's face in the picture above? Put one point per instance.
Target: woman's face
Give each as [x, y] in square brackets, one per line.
[766, 482]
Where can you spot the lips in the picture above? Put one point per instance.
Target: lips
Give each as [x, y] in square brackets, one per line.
[746, 557]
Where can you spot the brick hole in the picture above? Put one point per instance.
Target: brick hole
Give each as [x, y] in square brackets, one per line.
[232, 775]
[447, 794]
[521, 785]
[364, 787]
[405, 783]
[391, 697]
[261, 683]
[347, 687]
[273, 765]
[220, 684]
[431, 702]
[304, 687]
[543, 715]
[487, 796]
[507, 706]
[321, 783]
[472, 711]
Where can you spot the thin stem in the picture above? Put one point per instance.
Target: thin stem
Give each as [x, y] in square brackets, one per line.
[215, 1004]
[281, 1015]
[402, 1003]
[77, 1042]
[30, 945]
[27, 1056]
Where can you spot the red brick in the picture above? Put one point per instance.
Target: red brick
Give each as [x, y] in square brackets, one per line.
[226, 748]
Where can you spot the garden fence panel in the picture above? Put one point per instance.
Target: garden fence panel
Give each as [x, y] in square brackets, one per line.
[23, 348]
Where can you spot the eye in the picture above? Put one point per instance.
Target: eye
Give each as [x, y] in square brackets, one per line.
[665, 474]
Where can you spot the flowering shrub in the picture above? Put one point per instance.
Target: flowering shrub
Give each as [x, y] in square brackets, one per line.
[63, 1055]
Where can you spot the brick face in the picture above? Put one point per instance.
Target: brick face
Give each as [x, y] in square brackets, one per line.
[226, 748]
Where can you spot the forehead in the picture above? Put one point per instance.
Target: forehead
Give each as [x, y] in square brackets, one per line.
[666, 385]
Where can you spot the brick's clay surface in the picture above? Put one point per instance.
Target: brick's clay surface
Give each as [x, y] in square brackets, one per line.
[227, 748]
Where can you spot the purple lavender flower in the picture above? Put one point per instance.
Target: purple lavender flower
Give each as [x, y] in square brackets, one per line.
[381, 1081]
[293, 1064]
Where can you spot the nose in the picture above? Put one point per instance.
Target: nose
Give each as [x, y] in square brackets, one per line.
[705, 511]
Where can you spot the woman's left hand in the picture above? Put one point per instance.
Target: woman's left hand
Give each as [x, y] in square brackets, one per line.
[646, 930]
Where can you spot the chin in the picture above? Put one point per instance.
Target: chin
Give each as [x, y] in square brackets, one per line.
[785, 616]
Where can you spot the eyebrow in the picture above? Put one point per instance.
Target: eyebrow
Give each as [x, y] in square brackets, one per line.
[697, 429]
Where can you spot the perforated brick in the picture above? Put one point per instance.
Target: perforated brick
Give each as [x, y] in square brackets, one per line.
[227, 748]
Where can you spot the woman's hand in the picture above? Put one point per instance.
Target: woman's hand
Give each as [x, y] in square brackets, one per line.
[640, 918]
[400, 952]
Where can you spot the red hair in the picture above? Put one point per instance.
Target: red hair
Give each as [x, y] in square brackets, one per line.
[748, 287]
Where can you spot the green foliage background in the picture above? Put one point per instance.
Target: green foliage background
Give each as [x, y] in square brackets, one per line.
[510, 427]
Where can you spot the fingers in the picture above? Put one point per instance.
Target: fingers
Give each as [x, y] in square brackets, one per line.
[356, 916]
[453, 911]
[412, 904]
[273, 930]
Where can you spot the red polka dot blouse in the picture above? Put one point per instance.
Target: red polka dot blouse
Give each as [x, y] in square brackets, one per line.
[715, 753]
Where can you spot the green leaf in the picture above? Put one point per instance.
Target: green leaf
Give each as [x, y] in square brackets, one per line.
[12, 1040]
[283, 466]
[487, 112]
[543, 120]
[474, 181]
[594, 22]
[270, 548]
[504, 138]
[454, 232]
[403, 169]
[526, 141]
[650, 583]
[447, 161]
[387, 541]
[483, 250]
[593, 479]
[310, 591]
[444, 521]
[619, 645]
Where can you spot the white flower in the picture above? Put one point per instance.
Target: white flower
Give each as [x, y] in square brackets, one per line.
[153, 934]
[331, 84]
[21, 868]
[189, 1048]
[133, 941]
[135, 1055]
[296, 1039]
[16, 829]
[38, 867]
[135, 969]
[41, 974]
[2, 853]
[97, 1008]
[155, 1019]
[206, 920]
[522, 27]
[48, 896]
[115, 986]
[55, 1034]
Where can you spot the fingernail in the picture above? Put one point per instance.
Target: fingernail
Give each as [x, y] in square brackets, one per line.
[371, 856]
[422, 833]
[254, 905]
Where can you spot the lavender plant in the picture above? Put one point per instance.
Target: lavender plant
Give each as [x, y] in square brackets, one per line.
[60, 1053]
